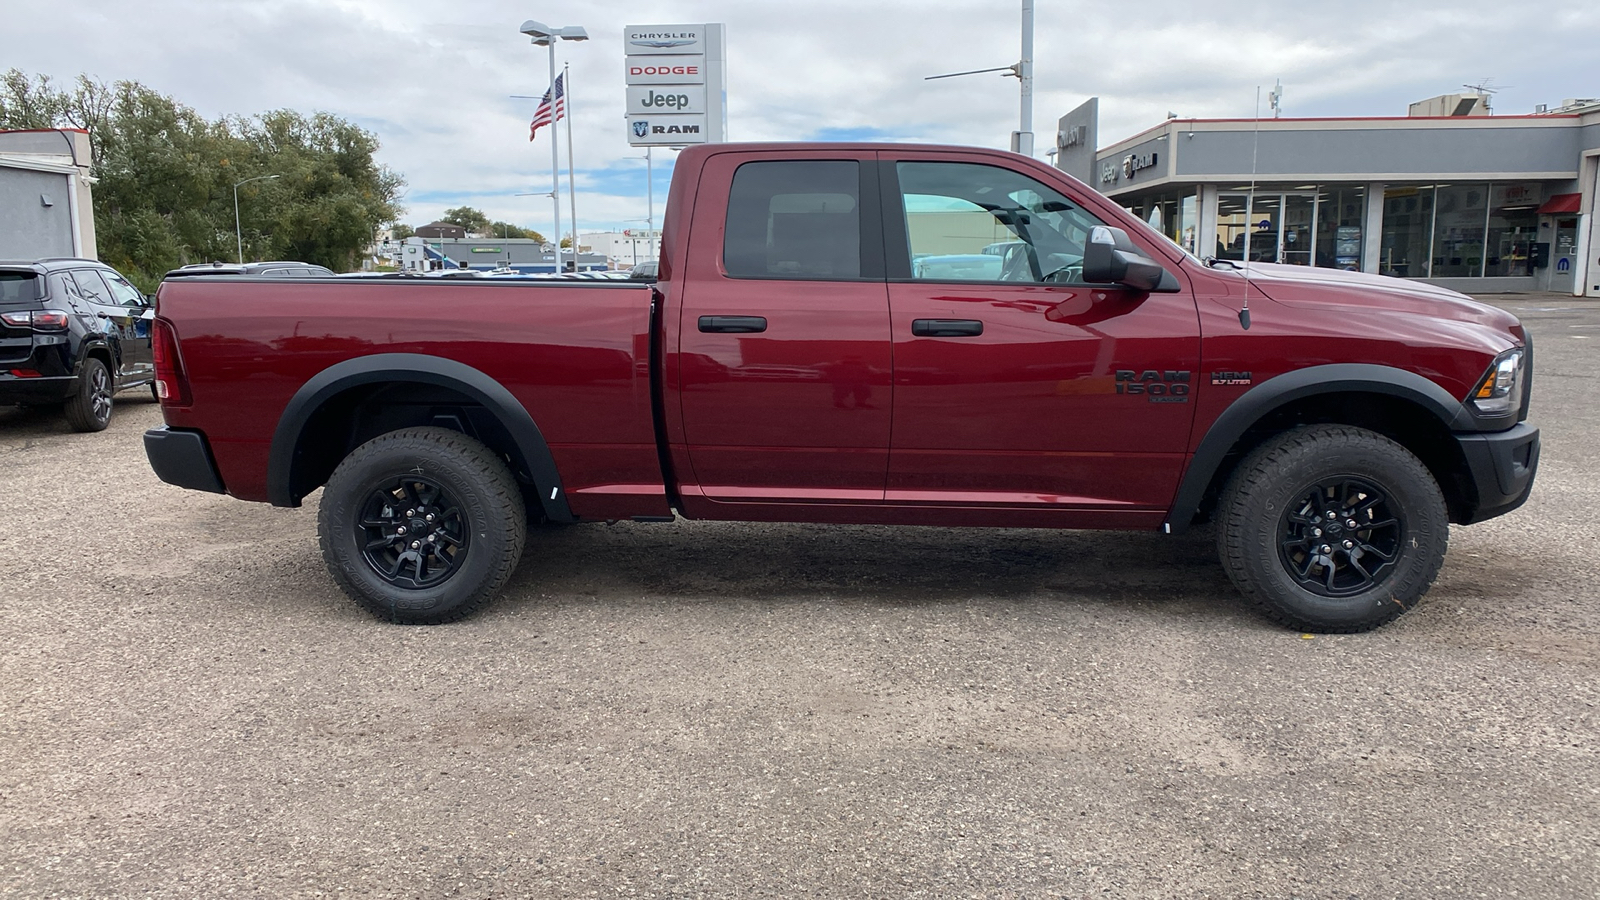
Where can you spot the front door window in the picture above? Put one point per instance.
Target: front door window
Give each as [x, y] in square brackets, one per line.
[968, 222]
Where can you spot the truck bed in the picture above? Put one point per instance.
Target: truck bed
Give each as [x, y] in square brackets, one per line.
[574, 354]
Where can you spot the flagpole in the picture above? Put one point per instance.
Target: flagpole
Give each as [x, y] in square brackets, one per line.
[572, 187]
[555, 159]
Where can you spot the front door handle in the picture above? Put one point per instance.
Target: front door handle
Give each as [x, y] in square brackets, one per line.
[946, 327]
[733, 324]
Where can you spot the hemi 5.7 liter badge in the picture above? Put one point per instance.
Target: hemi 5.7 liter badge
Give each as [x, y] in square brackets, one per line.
[1231, 378]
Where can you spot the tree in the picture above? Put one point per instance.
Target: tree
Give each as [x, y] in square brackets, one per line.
[166, 175]
[508, 230]
[473, 220]
[400, 231]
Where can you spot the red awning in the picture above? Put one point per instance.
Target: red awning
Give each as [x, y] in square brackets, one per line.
[1562, 203]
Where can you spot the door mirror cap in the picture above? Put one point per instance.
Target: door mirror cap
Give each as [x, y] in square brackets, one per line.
[1111, 257]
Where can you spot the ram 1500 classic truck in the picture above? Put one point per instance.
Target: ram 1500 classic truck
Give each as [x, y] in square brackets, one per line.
[899, 334]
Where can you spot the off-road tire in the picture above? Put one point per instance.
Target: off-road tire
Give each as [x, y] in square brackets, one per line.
[89, 407]
[478, 502]
[1263, 527]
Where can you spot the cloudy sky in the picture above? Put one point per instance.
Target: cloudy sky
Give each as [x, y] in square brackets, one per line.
[435, 80]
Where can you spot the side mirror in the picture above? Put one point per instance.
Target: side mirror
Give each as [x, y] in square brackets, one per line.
[1111, 257]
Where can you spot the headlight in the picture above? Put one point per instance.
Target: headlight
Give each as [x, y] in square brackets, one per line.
[1499, 391]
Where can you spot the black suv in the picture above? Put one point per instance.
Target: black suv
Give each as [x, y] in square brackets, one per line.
[73, 332]
[279, 268]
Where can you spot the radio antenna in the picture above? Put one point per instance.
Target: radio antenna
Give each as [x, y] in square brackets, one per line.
[1250, 205]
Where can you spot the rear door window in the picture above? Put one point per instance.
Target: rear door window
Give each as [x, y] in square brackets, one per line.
[92, 287]
[794, 220]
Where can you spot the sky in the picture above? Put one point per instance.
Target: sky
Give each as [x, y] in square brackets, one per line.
[436, 82]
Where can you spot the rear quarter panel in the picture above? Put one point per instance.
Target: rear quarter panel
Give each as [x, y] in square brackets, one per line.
[575, 355]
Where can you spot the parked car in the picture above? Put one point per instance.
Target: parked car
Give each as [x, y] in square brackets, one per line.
[73, 332]
[645, 271]
[792, 364]
[278, 268]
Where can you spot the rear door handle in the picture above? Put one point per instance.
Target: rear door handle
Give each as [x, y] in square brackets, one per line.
[946, 327]
[733, 324]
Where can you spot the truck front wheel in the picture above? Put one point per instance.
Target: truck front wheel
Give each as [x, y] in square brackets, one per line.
[421, 526]
[1331, 528]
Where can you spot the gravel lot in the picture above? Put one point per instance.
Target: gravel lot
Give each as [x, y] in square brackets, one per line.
[190, 708]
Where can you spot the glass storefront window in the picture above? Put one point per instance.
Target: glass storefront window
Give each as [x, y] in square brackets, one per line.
[1233, 226]
[1174, 215]
[1458, 230]
[1407, 236]
[1189, 222]
[1512, 228]
[1341, 214]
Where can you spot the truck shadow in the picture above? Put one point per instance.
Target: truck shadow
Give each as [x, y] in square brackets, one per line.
[715, 561]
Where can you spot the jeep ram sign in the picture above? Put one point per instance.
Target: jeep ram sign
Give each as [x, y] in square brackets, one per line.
[677, 84]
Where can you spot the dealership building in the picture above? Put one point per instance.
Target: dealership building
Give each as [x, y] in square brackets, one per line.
[1449, 194]
[46, 205]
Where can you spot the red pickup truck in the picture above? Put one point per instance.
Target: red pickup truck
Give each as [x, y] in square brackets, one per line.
[898, 334]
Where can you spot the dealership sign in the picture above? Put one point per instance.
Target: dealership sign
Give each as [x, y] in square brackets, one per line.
[664, 40]
[667, 70]
[677, 84]
[645, 100]
[666, 130]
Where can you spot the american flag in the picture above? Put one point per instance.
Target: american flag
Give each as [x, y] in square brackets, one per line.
[543, 115]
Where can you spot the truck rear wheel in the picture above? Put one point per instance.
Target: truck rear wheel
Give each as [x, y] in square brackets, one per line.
[421, 526]
[1331, 528]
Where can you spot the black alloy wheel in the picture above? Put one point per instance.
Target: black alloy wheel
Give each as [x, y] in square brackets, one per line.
[412, 532]
[422, 526]
[1332, 528]
[1340, 537]
[89, 409]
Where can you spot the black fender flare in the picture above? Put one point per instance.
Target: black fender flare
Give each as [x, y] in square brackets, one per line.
[89, 347]
[414, 367]
[1254, 404]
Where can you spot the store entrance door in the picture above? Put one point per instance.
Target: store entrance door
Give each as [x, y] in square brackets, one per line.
[1564, 254]
[1271, 227]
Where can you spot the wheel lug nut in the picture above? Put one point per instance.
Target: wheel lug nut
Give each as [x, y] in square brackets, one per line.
[1326, 549]
[429, 517]
[1316, 532]
[432, 538]
[400, 530]
[1349, 545]
[416, 544]
[1350, 523]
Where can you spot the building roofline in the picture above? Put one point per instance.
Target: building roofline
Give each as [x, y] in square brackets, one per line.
[40, 130]
[1283, 124]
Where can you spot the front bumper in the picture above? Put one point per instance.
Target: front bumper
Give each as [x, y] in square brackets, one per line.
[182, 458]
[1502, 465]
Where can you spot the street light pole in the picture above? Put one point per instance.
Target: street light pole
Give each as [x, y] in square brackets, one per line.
[545, 36]
[238, 232]
[1025, 77]
[1022, 70]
